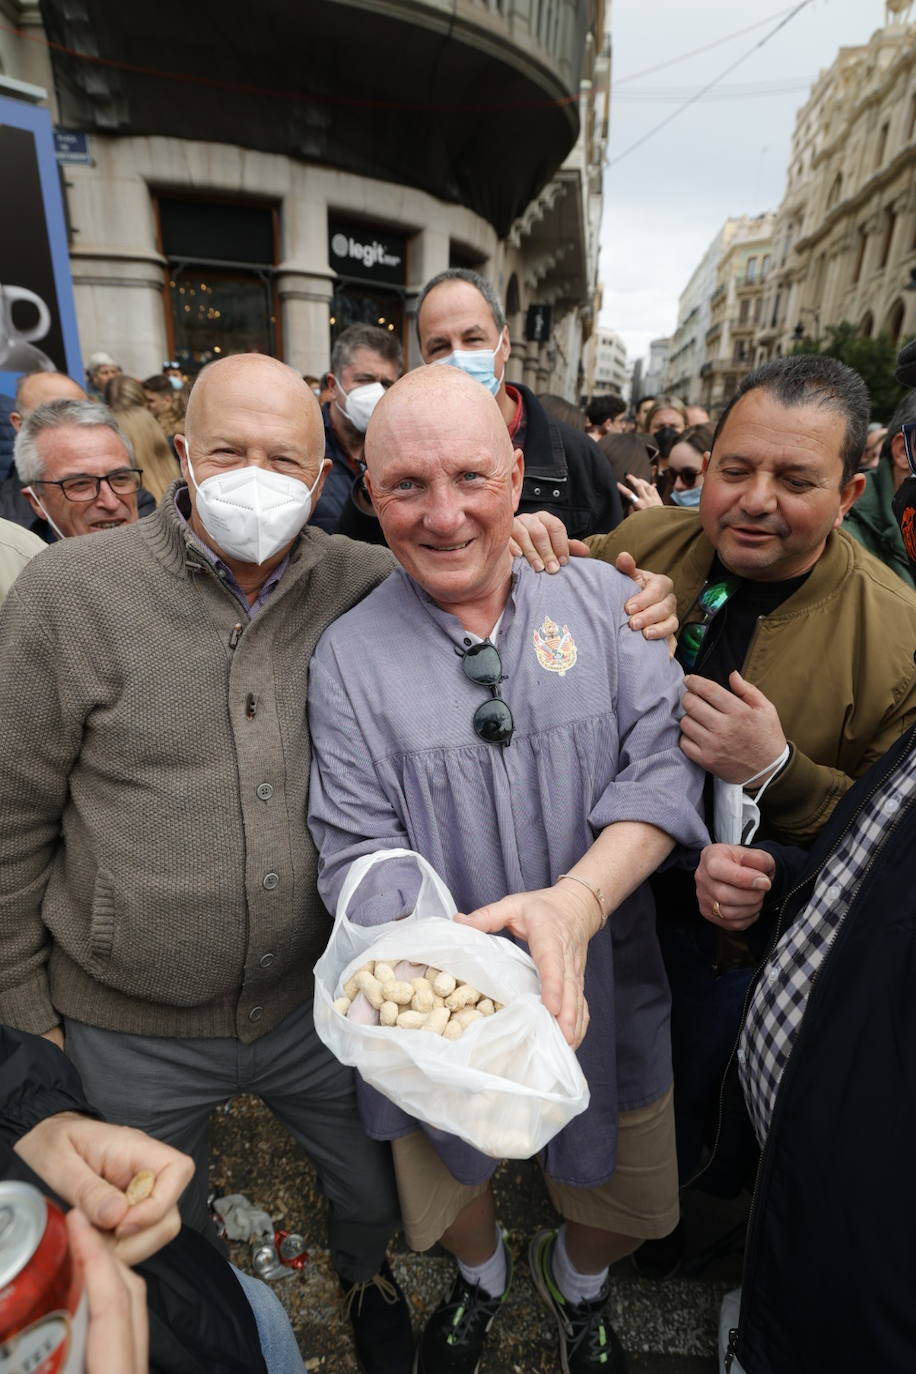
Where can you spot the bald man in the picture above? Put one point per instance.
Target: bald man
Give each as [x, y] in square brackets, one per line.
[513, 731]
[35, 389]
[159, 916]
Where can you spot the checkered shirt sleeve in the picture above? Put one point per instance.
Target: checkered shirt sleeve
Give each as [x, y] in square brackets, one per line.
[780, 995]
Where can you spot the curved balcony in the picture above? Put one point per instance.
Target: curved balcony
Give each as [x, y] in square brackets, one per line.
[475, 101]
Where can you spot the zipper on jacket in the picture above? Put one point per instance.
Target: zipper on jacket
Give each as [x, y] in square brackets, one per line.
[236, 634]
[732, 1348]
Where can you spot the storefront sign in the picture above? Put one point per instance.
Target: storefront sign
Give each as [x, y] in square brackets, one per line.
[358, 250]
[37, 315]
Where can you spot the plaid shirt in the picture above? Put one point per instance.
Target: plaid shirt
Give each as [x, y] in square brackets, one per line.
[780, 996]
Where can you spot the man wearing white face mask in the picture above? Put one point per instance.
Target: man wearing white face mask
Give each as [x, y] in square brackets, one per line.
[365, 361]
[159, 917]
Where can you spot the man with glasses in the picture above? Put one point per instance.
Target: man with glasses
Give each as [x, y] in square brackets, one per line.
[798, 650]
[515, 732]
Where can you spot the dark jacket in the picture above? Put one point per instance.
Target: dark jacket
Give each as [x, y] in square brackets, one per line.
[200, 1322]
[7, 435]
[831, 1248]
[872, 521]
[565, 473]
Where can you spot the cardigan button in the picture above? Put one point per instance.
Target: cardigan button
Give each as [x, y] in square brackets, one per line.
[265, 791]
[256, 1013]
[270, 881]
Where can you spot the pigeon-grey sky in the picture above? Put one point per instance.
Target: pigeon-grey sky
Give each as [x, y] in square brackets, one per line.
[724, 155]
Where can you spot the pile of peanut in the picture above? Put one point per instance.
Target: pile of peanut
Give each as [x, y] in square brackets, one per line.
[413, 997]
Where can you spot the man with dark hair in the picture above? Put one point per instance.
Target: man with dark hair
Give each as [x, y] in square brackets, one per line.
[460, 321]
[604, 415]
[365, 360]
[798, 645]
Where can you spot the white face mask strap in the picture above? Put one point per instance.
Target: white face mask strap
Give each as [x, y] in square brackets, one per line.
[31, 490]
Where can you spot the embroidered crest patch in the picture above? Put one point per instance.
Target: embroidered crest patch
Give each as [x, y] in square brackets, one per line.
[555, 648]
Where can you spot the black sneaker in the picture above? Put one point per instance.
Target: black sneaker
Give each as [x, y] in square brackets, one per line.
[380, 1319]
[588, 1342]
[453, 1338]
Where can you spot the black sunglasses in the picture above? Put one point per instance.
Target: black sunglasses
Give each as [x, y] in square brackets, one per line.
[492, 720]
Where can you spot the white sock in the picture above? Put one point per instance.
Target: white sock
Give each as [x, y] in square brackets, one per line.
[574, 1286]
[491, 1275]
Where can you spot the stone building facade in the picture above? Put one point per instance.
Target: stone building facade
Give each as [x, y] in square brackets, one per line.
[317, 169]
[845, 233]
[736, 307]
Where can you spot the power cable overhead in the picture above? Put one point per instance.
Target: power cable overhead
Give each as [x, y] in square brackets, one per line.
[709, 85]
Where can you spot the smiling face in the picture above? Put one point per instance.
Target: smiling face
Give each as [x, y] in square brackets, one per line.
[773, 487]
[445, 483]
[88, 451]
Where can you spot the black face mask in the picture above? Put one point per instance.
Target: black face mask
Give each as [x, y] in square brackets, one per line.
[665, 438]
[904, 508]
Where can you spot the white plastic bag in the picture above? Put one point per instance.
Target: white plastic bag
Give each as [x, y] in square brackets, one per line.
[510, 1083]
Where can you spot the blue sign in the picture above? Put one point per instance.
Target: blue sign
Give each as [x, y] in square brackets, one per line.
[37, 314]
[72, 147]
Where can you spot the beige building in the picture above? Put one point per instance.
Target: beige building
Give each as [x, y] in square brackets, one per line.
[606, 369]
[319, 166]
[735, 307]
[845, 234]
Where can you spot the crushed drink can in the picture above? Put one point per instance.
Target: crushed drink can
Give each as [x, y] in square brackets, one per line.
[43, 1311]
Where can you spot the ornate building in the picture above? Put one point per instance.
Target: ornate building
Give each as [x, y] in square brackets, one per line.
[845, 234]
[736, 307]
[260, 182]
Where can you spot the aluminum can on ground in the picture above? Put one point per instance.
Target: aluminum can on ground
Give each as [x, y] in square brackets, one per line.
[43, 1312]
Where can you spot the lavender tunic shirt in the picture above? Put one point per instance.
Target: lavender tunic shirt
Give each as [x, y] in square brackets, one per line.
[396, 763]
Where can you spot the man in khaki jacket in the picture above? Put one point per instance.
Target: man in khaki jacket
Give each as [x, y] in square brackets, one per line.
[17, 546]
[797, 646]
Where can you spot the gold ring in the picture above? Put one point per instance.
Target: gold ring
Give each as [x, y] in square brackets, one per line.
[716, 911]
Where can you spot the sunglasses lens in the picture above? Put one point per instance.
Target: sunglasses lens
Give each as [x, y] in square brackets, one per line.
[493, 722]
[482, 665]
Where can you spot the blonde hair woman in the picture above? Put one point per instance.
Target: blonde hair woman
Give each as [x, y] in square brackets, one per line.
[151, 448]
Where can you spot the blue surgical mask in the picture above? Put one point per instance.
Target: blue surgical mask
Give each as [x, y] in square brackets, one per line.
[479, 363]
[689, 497]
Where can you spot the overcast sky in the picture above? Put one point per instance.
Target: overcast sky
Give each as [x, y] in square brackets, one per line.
[664, 203]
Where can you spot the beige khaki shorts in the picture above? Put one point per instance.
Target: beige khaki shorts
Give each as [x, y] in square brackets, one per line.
[640, 1198]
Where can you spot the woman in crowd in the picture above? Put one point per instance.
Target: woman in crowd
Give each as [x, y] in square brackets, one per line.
[125, 396]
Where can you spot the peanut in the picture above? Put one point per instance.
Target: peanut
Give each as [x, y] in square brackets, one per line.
[351, 987]
[384, 973]
[423, 995]
[371, 988]
[388, 1014]
[453, 1030]
[342, 1005]
[437, 1021]
[485, 1007]
[140, 1186]
[402, 993]
[463, 996]
[444, 984]
[466, 1016]
[411, 1020]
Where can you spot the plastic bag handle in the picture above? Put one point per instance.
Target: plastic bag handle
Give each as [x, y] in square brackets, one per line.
[431, 883]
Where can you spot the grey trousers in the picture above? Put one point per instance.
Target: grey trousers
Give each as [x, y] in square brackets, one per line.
[169, 1087]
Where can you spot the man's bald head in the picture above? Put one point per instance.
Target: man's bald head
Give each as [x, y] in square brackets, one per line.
[249, 378]
[441, 401]
[445, 483]
[37, 388]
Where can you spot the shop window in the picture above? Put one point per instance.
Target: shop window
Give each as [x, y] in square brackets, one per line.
[220, 294]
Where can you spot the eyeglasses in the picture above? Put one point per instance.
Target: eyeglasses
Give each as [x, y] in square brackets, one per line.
[492, 720]
[123, 482]
[909, 444]
[710, 601]
[688, 476]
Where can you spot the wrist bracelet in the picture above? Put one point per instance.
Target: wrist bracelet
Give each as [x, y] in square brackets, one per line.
[595, 891]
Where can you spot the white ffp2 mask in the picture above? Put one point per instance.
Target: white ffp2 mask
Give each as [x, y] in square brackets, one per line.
[252, 512]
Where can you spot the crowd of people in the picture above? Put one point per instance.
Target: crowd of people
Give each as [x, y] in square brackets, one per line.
[639, 686]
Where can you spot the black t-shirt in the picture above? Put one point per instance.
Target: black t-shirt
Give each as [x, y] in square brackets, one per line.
[732, 628]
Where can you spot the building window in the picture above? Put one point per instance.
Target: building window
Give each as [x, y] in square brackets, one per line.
[743, 310]
[894, 326]
[882, 144]
[835, 189]
[221, 296]
[890, 220]
[860, 255]
[776, 307]
[911, 122]
[765, 267]
[750, 270]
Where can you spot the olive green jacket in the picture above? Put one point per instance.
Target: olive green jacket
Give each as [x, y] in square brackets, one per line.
[835, 659]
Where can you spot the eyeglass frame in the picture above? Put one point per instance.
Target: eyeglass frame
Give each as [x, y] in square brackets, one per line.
[675, 473]
[490, 682]
[90, 477]
[909, 443]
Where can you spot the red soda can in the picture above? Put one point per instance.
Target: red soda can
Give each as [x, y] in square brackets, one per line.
[43, 1312]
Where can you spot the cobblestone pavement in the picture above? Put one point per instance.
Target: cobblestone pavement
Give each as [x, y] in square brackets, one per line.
[667, 1328]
